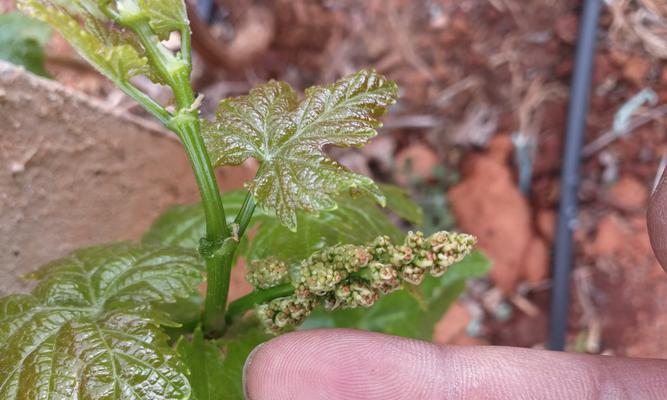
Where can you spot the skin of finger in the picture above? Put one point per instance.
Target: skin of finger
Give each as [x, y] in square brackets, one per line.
[657, 221]
[345, 364]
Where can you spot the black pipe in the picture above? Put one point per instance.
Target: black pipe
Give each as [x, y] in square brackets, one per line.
[567, 216]
[206, 10]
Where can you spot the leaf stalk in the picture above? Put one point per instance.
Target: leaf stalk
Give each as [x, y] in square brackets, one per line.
[239, 307]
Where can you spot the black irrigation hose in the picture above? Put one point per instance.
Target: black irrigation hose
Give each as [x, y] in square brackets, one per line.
[206, 10]
[567, 216]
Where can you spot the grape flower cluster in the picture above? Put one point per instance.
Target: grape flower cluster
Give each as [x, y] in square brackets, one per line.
[349, 276]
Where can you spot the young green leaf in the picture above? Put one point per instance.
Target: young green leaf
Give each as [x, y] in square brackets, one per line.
[341, 225]
[237, 349]
[22, 41]
[95, 41]
[216, 366]
[404, 313]
[165, 16]
[88, 329]
[184, 226]
[400, 203]
[287, 138]
[205, 361]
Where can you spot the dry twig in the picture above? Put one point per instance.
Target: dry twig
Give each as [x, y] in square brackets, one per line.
[639, 22]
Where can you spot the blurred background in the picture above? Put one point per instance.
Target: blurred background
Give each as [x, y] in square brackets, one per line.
[476, 138]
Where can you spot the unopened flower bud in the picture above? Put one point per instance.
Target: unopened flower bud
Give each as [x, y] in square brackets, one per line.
[449, 248]
[349, 276]
[302, 292]
[350, 257]
[284, 312]
[267, 273]
[357, 293]
[415, 240]
[383, 277]
[318, 277]
[380, 247]
[424, 257]
[401, 255]
[414, 268]
[413, 274]
[363, 294]
[327, 268]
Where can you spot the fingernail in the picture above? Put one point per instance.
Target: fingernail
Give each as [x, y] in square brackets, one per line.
[248, 361]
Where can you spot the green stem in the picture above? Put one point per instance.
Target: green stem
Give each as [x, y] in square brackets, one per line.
[146, 102]
[218, 267]
[238, 307]
[175, 71]
[219, 278]
[188, 129]
[186, 51]
[245, 214]
[185, 122]
[218, 273]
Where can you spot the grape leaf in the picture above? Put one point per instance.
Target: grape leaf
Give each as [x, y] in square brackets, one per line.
[407, 313]
[237, 349]
[216, 366]
[400, 203]
[88, 330]
[22, 41]
[165, 16]
[357, 220]
[205, 361]
[287, 138]
[102, 47]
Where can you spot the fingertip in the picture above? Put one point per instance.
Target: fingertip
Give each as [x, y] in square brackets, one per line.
[274, 368]
[337, 364]
[246, 365]
[657, 221]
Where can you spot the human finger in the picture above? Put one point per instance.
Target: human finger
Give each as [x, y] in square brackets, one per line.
[346, 364]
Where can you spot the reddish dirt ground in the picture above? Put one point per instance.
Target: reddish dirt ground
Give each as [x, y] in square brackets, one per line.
[474, 73]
